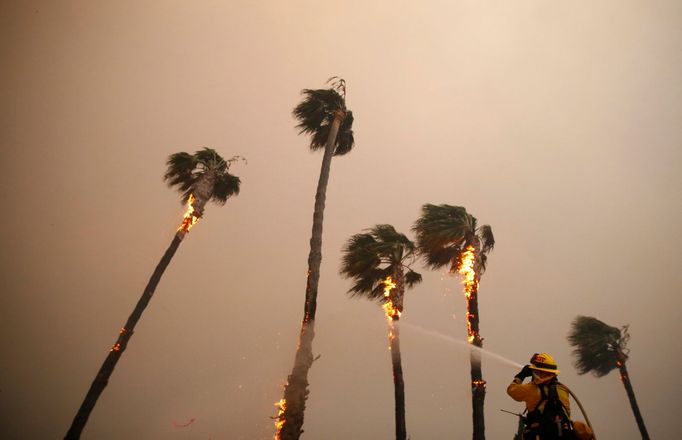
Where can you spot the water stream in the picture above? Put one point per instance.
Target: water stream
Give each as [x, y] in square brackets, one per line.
[442, 336]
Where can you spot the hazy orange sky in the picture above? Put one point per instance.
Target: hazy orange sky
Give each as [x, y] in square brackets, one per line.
[557, 123]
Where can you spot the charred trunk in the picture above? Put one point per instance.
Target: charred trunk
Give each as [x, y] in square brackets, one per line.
[625, 378]
[477, 382]
[297, 383]
[398, 384]
[102, 378]
[397, 296]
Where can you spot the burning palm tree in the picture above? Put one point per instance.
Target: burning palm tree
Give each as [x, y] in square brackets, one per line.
[600, 348]
[449, 236]
[324, 116]
[200, 177]
[379, 263]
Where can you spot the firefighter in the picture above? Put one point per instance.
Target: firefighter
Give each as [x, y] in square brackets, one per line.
[543, 392]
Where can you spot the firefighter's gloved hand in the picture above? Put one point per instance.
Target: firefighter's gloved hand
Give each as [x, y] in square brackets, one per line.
[524, 373]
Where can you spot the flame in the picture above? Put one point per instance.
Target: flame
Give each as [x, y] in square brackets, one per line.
[189, 219]
[279, 420]
[392, 312]
[117, 346]
[470, 281]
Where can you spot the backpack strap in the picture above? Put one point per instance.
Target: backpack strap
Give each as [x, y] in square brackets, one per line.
[543, 398]
[556, 395]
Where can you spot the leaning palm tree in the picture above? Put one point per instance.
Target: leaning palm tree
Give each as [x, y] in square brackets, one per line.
[323, 115]
[200, 177]
[600, 348]
[449, 236]
[379, 262]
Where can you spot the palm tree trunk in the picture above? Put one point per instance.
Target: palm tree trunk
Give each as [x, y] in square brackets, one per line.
[625, 378]
[477, 382]
[107, 368]
[398, 384]
[296, 389]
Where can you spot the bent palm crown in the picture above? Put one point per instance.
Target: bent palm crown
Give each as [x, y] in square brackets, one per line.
[444, 232]
[190, 173]
[598, 347]
[316, 113]
[370, 257]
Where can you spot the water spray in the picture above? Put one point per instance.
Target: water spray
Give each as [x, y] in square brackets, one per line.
[451, 339]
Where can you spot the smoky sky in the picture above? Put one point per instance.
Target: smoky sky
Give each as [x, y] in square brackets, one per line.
[557, 123]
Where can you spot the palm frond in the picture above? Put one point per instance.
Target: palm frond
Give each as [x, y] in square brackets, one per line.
[371, 256]
[338, 84]
[483, 262]
[485, 234]
[179, 173]
[315, 115]
[226, 185]
[210, 159]
[184, 171]
[598, 347]
[358, 256]
[345, 140]
[412, 278]
[441, 226]
[369, 284]
[445, 231]
[317, 106]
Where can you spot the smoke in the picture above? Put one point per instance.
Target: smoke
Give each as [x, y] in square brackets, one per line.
[438, 335]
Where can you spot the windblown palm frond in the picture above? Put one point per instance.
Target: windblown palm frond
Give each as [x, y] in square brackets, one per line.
[185, 170]
[442, 232]
[226, 186]
[598, 347]
[315, 115]
[412, 278]
[487, 239]
[370, 257]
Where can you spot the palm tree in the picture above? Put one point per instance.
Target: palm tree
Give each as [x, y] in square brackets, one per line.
[599, 348]
[323, 115]
[448, 235]
[200, 177]
[379, 263]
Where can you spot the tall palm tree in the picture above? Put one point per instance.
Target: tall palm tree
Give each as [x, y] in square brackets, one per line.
[600, 348]
[200, 177]
[323, 115]
[379, 263]
[449, 236]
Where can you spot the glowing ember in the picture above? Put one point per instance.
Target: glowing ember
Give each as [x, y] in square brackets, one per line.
[116, 347]
[279, 420]
[392, 312]
[478, 383]
[189, 219]
[468, 271]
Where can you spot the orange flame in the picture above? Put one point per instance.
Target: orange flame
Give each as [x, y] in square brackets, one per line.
[468, 271]
[392, 312]
[189, 219]
[279, 420]
[117, 346]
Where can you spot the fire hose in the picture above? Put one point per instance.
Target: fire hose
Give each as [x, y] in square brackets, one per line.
[582, 410]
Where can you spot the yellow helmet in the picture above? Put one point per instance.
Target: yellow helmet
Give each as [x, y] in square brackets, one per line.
[543, 362]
